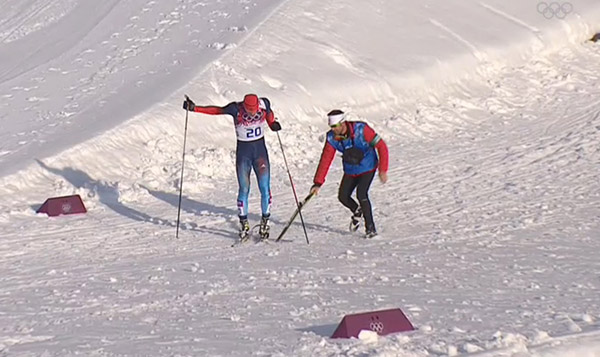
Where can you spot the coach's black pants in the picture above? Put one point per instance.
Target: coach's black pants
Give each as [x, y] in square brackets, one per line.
[361, 184]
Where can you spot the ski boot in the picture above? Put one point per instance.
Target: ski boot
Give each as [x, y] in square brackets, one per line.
[370, 232]
[355, 220]
[263, 230]
[244, 232]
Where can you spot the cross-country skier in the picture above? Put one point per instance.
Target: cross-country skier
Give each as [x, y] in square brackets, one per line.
[364, 152]
[249, 118]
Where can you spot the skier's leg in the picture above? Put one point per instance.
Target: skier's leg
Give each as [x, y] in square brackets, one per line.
[262, 170]
[362, 193]
[243, 167]
[263, 176]
[348, 185]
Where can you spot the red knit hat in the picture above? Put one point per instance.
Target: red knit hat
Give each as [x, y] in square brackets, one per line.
[251, 102]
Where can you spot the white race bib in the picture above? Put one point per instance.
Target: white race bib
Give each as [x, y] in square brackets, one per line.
[251, 127]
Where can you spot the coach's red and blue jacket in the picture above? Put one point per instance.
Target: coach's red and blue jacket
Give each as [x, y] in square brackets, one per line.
[361, 136]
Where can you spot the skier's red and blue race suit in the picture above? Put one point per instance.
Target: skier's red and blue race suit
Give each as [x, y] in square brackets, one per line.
[251, 151]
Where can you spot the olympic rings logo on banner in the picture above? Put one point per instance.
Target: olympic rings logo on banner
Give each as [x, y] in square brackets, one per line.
[555, 9]
[66, 207]
[376, 326]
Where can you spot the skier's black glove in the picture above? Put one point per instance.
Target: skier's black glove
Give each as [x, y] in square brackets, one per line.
[275, 126]
[189, 105]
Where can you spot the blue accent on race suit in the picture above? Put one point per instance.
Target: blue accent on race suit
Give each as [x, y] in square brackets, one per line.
[369, 161]
[251, 155]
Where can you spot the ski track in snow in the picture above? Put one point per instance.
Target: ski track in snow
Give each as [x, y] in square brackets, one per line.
[516, 192]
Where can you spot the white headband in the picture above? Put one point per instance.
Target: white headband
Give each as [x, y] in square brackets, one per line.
[335, 118]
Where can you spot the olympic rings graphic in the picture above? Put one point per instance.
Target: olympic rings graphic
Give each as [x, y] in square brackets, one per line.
[555, 9]
[252, 118]
[376, 326]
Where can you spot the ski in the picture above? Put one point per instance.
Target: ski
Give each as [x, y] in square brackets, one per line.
[296, 212]
[257, 240]
[241, 241]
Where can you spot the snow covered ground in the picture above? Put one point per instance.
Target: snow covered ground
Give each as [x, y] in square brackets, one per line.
[489, 224]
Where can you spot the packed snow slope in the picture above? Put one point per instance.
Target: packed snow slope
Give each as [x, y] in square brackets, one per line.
[489, 225]
[70, 69]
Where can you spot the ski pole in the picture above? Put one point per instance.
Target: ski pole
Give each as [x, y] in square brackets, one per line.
[182, 166]
[293, 187]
